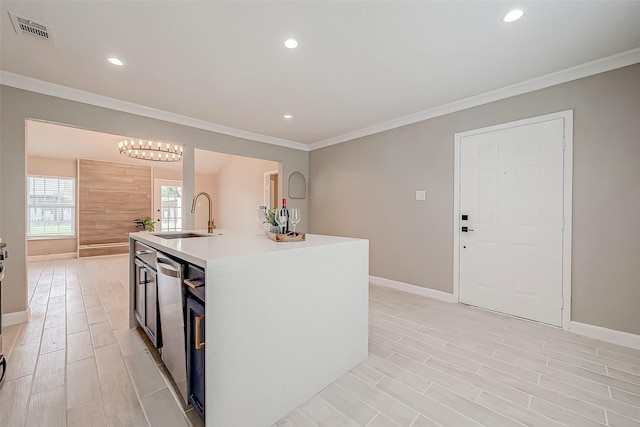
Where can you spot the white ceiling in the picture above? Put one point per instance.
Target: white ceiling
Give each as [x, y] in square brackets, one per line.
[358, 64]
[63, 142]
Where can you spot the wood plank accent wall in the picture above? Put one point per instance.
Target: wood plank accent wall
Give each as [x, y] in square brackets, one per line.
[110, 196]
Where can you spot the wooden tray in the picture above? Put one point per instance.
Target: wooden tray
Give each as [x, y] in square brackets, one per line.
[285, 237]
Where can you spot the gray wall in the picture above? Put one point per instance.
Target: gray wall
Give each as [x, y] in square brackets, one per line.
[366, 188]
[18, 105]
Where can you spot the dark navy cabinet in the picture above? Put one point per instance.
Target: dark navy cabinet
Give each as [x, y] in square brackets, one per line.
[146, 301]
[195, 314]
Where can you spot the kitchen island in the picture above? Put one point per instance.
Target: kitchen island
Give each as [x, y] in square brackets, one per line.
[283, 320]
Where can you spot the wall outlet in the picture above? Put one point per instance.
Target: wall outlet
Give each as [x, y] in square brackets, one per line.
[421, 195]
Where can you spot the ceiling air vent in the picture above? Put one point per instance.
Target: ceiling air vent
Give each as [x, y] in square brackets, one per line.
[26, 26]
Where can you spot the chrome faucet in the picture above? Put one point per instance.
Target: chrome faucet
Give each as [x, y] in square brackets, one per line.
[210, 224]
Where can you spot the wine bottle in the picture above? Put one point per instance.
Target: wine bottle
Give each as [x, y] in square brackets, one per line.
[285, 213]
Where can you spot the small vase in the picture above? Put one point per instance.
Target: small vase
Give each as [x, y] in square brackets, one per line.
[274, 229]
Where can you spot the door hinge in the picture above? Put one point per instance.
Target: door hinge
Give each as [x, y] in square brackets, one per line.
[564, 144]
[562, 303]
[563, 223]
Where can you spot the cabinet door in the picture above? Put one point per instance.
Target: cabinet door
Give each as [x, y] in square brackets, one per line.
[151, 306]
[195, 354]
[140, 293]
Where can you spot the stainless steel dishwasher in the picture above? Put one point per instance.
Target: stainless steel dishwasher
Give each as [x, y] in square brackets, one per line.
[171, 302]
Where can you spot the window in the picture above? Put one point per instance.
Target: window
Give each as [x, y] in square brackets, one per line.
[170, 208]
[51, 206]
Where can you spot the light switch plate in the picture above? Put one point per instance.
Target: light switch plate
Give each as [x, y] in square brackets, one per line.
[421, 195]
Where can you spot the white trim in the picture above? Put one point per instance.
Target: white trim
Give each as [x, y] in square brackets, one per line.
[596, 332]
[51, 237]
[590, 68]
[413, 289]
[456, 220]
[104, 245]
[267, 182]
[567, 116]
[49, 257]
[15, 318]
[39, 86]
[568, 218]
[604, 334]
[104, 256]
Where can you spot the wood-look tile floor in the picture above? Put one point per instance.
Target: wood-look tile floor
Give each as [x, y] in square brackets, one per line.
[430, 364]
[76, 363]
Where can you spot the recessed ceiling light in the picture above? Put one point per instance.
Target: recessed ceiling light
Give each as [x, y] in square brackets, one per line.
[291, 43]
[116, 61]
[287, 116]
[514, 15]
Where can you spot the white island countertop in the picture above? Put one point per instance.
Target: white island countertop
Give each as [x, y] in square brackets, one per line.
[227, 244]
[283, 319]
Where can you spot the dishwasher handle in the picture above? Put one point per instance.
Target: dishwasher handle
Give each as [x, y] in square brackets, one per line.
[144, 252]
[168, 267]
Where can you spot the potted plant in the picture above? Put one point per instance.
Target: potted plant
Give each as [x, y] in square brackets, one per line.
[145, 223]
[270, 218]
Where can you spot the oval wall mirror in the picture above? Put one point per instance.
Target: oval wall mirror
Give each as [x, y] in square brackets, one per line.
[297, 186]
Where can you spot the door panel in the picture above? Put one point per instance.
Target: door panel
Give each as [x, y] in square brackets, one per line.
[511, 186]
[196, 355]
[487, 206]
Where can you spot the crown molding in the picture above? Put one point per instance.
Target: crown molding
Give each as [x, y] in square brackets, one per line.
[609, 63]
[46, 88]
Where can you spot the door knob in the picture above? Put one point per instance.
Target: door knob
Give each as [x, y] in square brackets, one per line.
[466, 229]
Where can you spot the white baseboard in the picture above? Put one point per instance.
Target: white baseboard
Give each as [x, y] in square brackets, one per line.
[104, 256]
[9, 319]
[48, 257]
[597, 332]
[604, 334]
[413, 289]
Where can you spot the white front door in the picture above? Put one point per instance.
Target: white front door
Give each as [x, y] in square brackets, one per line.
[511, 189]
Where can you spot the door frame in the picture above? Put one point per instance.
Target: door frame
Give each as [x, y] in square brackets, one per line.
[567, 116]
[267, 184]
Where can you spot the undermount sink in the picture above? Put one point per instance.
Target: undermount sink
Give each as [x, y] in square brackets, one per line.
[180, 235]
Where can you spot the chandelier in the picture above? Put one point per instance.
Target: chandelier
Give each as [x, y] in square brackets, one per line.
[150, 150]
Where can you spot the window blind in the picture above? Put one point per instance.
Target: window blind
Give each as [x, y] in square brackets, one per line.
[51, 206]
